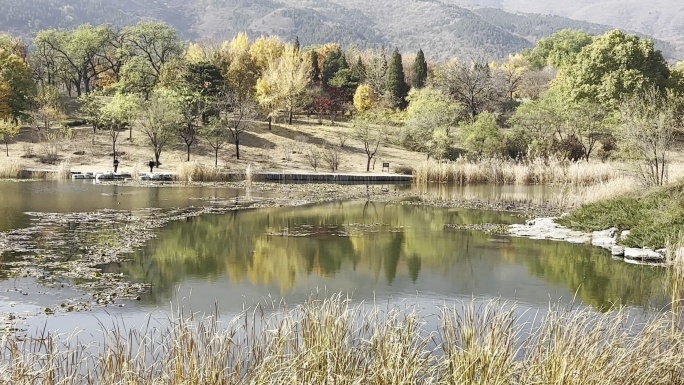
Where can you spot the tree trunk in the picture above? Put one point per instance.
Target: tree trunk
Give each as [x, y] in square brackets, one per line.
[216, 157]
[114, 148]
[368, 164]
[289, 121]
[130, 133]
[188, 145]
[6, 148]
[237, 148]
[156, 158]
[270, 120]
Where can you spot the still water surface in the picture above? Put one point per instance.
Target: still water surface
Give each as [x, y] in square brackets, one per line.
[376, 251]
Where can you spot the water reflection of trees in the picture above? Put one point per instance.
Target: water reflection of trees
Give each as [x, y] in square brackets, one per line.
[379, 241]
[590, 272]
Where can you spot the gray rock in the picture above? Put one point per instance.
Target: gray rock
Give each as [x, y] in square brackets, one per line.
[603, 241]
[609, 233]
[617, 251]
[578, 239]
[624, 235]
[643, 254]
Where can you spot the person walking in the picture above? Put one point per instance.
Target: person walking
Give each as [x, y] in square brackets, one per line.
[151, 164]
[116, 165]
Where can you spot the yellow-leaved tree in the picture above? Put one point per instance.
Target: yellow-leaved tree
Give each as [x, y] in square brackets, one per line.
[266, 51]
[8, 129]
[284, 84]
[364, 98]
[242, 71]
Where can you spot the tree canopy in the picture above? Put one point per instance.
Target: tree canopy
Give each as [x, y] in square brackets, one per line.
[613, 67]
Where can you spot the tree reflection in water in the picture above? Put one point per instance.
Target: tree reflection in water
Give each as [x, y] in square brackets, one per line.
[366, 246]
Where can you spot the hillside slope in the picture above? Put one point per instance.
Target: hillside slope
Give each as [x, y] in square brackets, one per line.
[662, 19]
[440, 27]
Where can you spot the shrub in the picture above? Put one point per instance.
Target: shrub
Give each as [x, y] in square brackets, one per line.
[332, 156]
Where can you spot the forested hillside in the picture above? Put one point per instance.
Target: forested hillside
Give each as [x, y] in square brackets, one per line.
[441, 28]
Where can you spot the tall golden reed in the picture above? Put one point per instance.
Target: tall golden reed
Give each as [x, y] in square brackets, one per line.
[498, 171]
[332, 341]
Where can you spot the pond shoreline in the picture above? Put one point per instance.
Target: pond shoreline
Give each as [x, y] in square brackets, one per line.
[35, 249]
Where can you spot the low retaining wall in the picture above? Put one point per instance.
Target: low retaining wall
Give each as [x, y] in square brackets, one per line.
[330, 177]
[259, 177]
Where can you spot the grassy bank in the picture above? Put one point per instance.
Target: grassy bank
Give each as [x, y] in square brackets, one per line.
[496, 171]
[654, 217]
[332, 341]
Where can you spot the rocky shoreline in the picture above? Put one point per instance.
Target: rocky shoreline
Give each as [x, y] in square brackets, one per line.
[547, 228]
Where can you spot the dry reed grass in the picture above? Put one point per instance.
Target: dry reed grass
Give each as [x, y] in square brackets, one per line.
[332, 341]
[572, 196]
[196, 172]
[10, 170]
[63, 171]
[497, 171]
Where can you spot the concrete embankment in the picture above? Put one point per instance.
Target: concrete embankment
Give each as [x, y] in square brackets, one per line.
[260, 177]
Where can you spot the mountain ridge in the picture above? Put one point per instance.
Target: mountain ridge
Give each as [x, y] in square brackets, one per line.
[442, 28]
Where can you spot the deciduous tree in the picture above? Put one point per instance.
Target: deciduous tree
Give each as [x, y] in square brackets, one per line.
[284, 83]
[612, 68]
[370, 136]
[158, 119]
[17, 76]
[649, 123]
[77, 52]
[558, 49]
[118, 115]
[8, 130]
[91, 109]
[431, 116]
[234, 115]
[471, 84]
[482, 137]
[266, 51]
[155, 43]
[364, 98]
[216, 135]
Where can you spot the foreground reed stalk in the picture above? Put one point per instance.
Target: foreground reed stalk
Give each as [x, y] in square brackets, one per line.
[332, 341]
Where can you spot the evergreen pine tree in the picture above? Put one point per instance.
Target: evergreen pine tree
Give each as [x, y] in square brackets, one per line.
[419, 71]
[397, 88]
[315, 69]
[359, 70]
[334, 62]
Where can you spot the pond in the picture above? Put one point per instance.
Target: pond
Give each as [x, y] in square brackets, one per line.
[377, 252]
